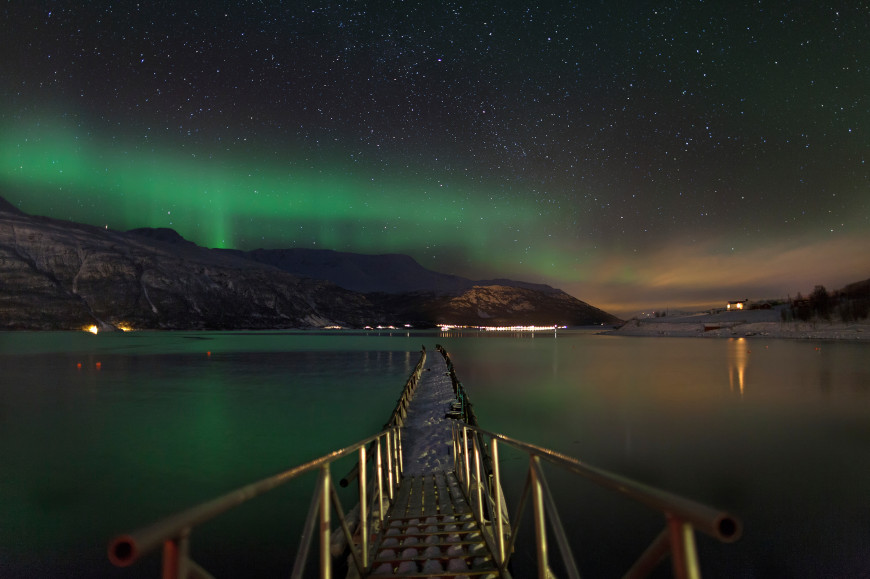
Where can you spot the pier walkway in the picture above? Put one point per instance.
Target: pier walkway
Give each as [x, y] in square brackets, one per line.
[430, 502]
[426, 434]
[430, 529]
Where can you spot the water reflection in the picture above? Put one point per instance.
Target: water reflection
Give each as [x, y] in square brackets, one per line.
[161, 425]
[738, 360]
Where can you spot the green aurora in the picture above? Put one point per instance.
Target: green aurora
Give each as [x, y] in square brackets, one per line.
[229, 200]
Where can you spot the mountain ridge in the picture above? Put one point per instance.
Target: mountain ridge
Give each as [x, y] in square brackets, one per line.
[64, 275]
[366, 273]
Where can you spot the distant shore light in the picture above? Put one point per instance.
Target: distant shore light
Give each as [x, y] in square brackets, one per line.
[553, 328]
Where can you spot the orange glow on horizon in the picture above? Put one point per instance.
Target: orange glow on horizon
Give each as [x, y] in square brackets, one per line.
[700, 276]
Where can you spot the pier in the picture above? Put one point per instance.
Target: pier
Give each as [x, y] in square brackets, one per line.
[430, 502]
[430, 530]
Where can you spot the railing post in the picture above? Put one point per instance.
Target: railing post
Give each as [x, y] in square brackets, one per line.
[399, 462]
[650, 558]
[457, 460]
[175, 554]
[684, 556]
[170, 559]
[497, 499]
[479, 483]
[465, 460]
[325, 556]
[380, 470]
[363, 508]
[389, 450]
[540, 521]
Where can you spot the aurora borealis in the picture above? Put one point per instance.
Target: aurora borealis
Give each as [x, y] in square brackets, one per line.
[637, 156]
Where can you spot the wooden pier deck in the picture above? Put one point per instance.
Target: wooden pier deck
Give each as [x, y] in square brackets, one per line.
[430, 530]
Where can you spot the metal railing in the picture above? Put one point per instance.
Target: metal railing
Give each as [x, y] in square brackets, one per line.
[483, 491]
[476, 463]
[173, 533]
[399, 414]
[466, 410]
[384, 448]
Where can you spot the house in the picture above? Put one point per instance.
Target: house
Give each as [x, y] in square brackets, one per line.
[737, 305]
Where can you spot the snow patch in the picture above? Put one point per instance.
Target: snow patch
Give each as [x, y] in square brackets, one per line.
[427, 436]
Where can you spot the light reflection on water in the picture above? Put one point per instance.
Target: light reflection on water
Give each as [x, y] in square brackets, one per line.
[738, 359]
[110, 432]
[775, 431]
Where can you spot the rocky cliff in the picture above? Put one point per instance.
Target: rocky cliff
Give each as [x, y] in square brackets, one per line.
[494, 305]
[60, 275]
[505, 305]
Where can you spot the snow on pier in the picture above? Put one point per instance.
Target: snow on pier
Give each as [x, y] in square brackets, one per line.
[430, 530]
[426, 438]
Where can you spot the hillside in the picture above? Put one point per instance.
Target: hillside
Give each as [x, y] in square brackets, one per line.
[63, 275]
[384, 273]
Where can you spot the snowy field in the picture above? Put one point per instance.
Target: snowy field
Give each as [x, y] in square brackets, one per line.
[764, 323]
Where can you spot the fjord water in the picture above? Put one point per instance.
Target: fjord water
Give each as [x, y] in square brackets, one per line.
[103, 434]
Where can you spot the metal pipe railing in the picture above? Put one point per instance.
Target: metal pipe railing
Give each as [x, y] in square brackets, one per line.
[552, 512]
[325, 555]
[467, 410]
[399, 413]
[173, 532]
[714, 522]
[363, 510]
[498, 503]
[682, 515]
[540, 522]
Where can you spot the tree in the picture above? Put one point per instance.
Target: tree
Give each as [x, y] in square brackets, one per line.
[800, 308]
[820, 302]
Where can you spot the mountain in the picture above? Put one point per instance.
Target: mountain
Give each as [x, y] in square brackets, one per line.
[385, 273]
[856, 290]
[495, 305]
[6, 207]
[408, 292]
[61, 275]
[388, 273]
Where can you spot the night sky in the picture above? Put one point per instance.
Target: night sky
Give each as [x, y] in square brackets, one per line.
[639, 155]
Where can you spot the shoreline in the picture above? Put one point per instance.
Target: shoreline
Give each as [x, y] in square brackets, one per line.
[753, 324]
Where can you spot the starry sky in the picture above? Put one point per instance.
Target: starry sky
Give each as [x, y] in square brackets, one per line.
[639, 155]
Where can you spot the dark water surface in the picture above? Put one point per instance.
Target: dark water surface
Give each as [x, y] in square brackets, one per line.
[775, 431]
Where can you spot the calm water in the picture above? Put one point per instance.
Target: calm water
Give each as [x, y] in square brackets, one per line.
[101, 434]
